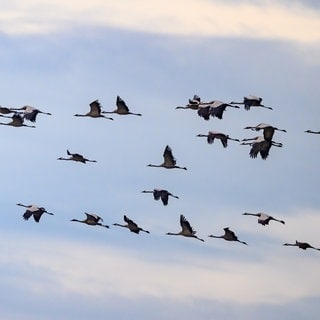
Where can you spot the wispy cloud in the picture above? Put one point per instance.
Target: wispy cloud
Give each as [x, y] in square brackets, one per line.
[265, 19]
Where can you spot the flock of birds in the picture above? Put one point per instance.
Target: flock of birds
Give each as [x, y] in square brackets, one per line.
[259, 145]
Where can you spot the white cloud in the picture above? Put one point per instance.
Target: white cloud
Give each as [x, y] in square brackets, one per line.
[268, 19]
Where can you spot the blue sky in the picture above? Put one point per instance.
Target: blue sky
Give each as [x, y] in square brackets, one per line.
[59, 57]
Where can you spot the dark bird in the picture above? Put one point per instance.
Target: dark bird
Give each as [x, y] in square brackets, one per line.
[187, 230]
[268, 130]
[214, 108]
[263, 218]
[122, 108]
[76, 157]
[31, 113]
[193, 103]
[33, 210]
[92, 220]
[260, 145]
[251, 101]
[228, 235]
[95, 111]
[217, 135]
[169, 160]
[132, 226]
[314, 132]
[161, 194]
[301, 245]
[17, 121]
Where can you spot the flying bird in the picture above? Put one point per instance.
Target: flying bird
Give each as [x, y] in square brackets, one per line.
[161, 194]
[132, 226]
[17, 121]
[122, 108]
[217, 135]
[260, 145]
[311, 131]
[92, 220]
[268, 130]
[169, 160]
[214, 108]
[33, 210]
[301, 245]
[263, 218]
[193, 103]
[95, 111]
[228, 235]
[251, 101]
[30, 113]
[76, 157]
[186, 231]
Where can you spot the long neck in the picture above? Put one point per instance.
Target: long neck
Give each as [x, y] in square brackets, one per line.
[120, 225]
[155, 165]
[173, 234]
[251, 214]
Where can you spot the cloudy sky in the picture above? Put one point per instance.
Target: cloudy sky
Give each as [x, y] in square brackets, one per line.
[59, 56]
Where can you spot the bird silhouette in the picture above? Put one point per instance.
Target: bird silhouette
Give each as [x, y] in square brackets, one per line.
[92, 220]
[228, 235]
[263, 218]
[33, 210]
[161, 194]
[131, 225]
[122, 108]
[95, 111]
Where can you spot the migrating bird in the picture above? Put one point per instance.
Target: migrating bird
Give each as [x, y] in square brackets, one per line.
[169, 160]
[228, 235]
[193, 103]
[251, 101]
[187, 230]
[310, 131]
[214, 108]
[161, 194]
[301, 245]
[95, 111]
[92, 220]
[217, 135]
[260, 145]
[33, 210]
[31, 113]
[132, 226]
[263, 218]
[17, 121]
[122, 108]
[76, 157]
[268, 130]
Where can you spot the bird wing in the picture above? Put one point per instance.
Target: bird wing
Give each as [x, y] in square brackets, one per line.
[17, 119]
[128, 221]
[204, 112]
[156, 194]
[121, 105]
[164, 196]
[264, 149]
[168, 156]
[95, 107]
[218, 111]
[185, 225]
[255, 149]
[93, 217]
[27, 214]
[37, 215]
[31, 114]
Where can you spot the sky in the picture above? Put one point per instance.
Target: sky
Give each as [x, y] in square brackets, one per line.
[59, 57]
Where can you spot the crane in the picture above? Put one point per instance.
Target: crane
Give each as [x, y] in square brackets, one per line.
[122, 108]
[33, 210]
[186, 229]
[76, 157]
[193, 103]
[131, 225]
[251, 101]
[161, 194]
[17, 121]
[228, 235]
[92, 220]
[301, 245]
[217, 135]
[260, 145]
[214, 108]
[263, 218]
[169, 160]
[95, 111]
[268, 130]
[30, 113]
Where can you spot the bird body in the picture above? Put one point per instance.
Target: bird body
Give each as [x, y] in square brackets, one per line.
[186, 229]
[95, 111]
[92, 220]
[263, 218]
[251, 101]
[228, 235]
[131, 225]
[217, 135]
[76, 157]
[169, 160]
[33, 210]
[17, 121]
[161, 194]
[268, 130]
[301, 245]
[122, 108]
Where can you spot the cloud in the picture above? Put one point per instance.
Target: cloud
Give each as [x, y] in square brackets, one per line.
[266, 19]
